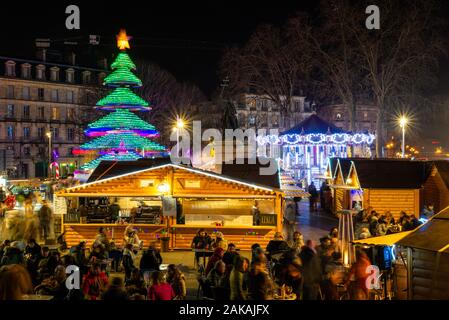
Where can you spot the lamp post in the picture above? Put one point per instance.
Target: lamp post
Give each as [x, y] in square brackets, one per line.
[48, 134]
[179, 125]
[402, 123]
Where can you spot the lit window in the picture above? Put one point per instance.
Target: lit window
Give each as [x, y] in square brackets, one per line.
[10, 111]
[26, 132]
[10, 132]
[54, 113]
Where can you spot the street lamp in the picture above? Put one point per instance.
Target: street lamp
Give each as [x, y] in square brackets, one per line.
[403, 123]
[48, 134]
[179, 125]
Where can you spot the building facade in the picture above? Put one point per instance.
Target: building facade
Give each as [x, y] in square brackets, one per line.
[261, 112]
[36, 98]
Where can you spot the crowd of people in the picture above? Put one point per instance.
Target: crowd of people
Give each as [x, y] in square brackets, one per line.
[369, 223]
[29, 268]
[291, 269]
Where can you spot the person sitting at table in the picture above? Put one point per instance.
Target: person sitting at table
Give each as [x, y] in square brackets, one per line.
[19, 276]
[230, 254]
[151, 260]
[116, 291]
[218, 255]
[219, 241]
[95, 282]
[54, 285]
[200, 242]
[135, 284]
[260, 285]
[277, 245]
[177, 280]
[160, 289]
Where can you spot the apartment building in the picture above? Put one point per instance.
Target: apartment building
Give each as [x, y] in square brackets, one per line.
[38, 97]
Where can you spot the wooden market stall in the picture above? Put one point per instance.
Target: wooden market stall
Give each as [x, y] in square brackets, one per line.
[428, 259]
[189, 199]
[382, 185]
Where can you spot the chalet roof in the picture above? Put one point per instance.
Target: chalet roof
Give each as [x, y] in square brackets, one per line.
[247, 173]
[443, 169]
[389, 173]
[314, 124]
[432, 236]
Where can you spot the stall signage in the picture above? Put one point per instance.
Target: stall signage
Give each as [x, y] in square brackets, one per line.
[146, 183]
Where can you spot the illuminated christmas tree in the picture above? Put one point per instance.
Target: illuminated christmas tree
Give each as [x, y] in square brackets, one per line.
[121, 135]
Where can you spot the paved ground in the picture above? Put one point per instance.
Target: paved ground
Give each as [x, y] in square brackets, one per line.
[312, 225]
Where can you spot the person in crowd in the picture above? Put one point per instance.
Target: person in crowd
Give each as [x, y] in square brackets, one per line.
[54, 285]
[395, 227]
[356, 280]
[373, 223]
[289, 222]
[151, 259]
[102, 241]
[5, 244]
[128, 260]
[31, 223]
[428, 211]
[334, 232]
[45, 217]
[116, 291]
[32, 254]
[277, 245]
[231, 252]
[402, 218]
[160, 289]
[63, 250]
[218, 255]
[290, 272]
[381, 228]
[313, 196]
[260, 285]
[114, 209]
[297, 201]
[325, 243]
[389, 219]
[177, 280]
[54, 260]
[414, 221]
[97, 254]
[79, 254]
[311, 271]
[217, 276]
[407, 223]
[364, 234]
[95, 282]
[256, 214]
[116, 255]
[334, 276]
[18, 275]
[12, 255]
[131, 237]
[254, 251]
[200, 242]
[136, 284]
[219, 241]
[237, 283]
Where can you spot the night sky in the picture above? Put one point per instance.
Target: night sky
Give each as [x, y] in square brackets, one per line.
[185, 37]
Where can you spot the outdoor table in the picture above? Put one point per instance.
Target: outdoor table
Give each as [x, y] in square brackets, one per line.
[205, 253]
[36, 297]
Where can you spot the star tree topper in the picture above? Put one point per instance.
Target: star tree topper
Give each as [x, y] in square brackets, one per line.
[122, 40]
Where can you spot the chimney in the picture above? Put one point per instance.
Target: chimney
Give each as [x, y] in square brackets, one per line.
[72, 58]
[41, 54]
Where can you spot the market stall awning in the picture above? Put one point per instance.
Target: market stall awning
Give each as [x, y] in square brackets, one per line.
[387, 240]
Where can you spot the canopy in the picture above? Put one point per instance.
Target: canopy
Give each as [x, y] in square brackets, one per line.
[387, 240]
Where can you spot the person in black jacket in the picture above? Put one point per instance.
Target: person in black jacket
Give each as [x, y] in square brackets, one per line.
[151, 260]
[260, 285]
[116, 291]
[311, 271]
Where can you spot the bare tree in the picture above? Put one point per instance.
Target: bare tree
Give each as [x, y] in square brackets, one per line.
[401, 58]
[267, 65]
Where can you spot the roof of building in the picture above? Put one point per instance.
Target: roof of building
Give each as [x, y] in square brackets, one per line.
[248, 173]
[432, 236]
[314, 124]
[442, 167]
[388, 173]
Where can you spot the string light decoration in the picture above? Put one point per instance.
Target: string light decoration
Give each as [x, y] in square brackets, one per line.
[130, 140]
[122, 77]
[304, 150]
[122, 97]
[121, 120]
[121, 135]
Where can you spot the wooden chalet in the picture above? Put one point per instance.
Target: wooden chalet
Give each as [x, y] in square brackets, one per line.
[201, 199]
[436, 187]
[379, 184]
